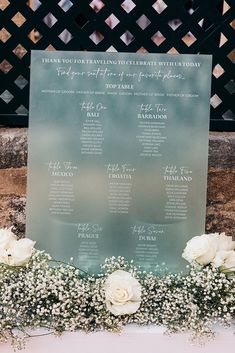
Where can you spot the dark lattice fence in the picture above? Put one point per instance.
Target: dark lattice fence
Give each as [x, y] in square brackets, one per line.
[169, 26]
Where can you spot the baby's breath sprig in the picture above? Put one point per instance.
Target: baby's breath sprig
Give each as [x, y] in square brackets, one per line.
[63, 298]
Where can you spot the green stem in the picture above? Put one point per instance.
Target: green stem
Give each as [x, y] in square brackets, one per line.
[73, 266]
[39, 335]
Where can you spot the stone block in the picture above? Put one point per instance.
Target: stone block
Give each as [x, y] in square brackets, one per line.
[12, 213]
[13, 147]
[222, 150]
[220, 215]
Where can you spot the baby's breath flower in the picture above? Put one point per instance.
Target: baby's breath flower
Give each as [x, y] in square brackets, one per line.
[63, 298]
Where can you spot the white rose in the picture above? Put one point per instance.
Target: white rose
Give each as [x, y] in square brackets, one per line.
[123, 293]
[225, 261]
[17, 253]
[6, 236]
[201, 249]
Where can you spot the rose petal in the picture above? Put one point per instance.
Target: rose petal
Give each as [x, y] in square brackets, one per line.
[201, 249]
[127, 309]
[6, 236]
[20, 251]
[225, 242]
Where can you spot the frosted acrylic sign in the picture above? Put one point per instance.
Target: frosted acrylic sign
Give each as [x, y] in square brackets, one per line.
[117, 155]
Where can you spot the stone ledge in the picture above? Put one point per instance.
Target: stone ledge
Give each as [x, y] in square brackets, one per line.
[13, 148]
[220, 215]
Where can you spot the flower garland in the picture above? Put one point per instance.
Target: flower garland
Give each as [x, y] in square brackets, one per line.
[36, 293]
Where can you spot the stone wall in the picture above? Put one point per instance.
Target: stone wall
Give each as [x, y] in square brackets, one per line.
[221, 181]
[13, 171]
[220, 215]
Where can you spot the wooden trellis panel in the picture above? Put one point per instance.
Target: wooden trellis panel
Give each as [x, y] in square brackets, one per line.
[175, 26]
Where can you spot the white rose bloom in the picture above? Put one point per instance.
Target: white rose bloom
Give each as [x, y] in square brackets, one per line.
[123, 293]
[6, 236]
[225, 261]
[17, 253]
[201, 249]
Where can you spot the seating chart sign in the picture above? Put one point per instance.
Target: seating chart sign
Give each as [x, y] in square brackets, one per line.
[118, 150]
